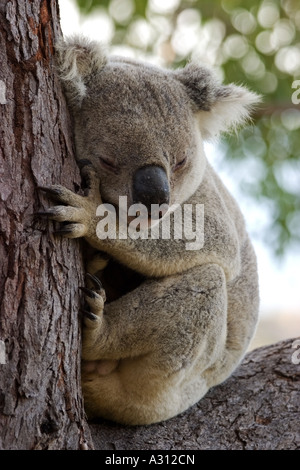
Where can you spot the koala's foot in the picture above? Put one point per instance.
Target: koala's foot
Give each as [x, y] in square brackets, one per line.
[77, 212]
[102, 367]
[93, 319]
[95, 298]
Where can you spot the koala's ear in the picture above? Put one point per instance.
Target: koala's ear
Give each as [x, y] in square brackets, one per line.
[78, 60]
[217, 107]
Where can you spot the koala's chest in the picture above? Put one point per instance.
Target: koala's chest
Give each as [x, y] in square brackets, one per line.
[118, 280]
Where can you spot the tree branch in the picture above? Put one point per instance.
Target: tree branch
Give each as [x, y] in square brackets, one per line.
[257, 408]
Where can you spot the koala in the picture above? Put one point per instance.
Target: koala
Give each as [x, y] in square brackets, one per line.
[164, 323]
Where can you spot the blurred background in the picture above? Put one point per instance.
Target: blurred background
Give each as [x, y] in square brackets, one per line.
[251, 42]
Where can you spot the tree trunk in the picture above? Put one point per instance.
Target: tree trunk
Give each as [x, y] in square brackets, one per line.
[40, 394]
[257, 408]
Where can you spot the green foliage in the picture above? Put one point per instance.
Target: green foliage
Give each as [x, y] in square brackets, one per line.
[252, 42]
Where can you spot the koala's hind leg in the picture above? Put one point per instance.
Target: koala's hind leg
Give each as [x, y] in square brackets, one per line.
[164, 335]
[171, 312]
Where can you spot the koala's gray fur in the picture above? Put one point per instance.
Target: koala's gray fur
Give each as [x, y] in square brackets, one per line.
[177, 322]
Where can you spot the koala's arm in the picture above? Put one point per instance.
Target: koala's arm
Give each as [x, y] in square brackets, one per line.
[150, 257]
[173, 320]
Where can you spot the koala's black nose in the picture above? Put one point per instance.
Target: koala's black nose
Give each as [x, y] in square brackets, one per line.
[150, 186]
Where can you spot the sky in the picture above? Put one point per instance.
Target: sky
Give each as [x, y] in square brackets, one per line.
[279, 282]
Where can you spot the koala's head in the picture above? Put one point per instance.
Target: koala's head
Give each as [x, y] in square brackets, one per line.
[143, 127]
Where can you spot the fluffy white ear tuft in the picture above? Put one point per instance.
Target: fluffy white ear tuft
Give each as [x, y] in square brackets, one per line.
[231, 109]
[218, 107]
[78, 60]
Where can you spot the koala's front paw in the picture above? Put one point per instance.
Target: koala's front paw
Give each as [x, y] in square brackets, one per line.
[78, 212]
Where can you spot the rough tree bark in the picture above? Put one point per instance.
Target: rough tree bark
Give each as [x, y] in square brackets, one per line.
[40, 397]
[258, 408]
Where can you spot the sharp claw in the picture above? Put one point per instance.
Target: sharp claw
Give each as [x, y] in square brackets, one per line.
[51, 191]
[88, 292]
[89, 315]
[95, 280]
[44, 213]
[63, 231]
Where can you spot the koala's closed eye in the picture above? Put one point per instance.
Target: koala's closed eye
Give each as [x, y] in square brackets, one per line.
[180, 164]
